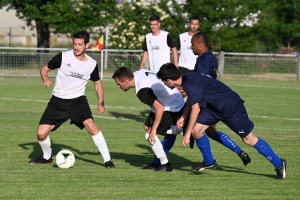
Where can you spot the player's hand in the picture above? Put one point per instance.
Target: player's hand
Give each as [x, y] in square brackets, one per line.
[101, 109]
[182, 92]
[152, 137]
[186, 139]
[47, 83]
[180, 122]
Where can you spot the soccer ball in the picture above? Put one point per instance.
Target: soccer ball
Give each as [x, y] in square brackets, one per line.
[65, 159]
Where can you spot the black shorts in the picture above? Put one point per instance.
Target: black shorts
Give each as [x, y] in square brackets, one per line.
[184, 70]
[60, 110]
[168, 119]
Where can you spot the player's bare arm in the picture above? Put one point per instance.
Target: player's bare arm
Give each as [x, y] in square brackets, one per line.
[193, 117]
[144, 58]
[182, 119]
[100, 95]
[44, 75]
[159, 110]
[175, 56]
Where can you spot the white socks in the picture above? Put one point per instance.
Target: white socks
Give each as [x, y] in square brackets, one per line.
[46, 148]
[102, 146]
[174, 130]
[158, 150]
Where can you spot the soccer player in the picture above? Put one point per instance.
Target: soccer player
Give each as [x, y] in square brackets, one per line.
[166, 106]
[157, 46]
[207, 64]
[211, 101]
[68, 101]
[187, 59]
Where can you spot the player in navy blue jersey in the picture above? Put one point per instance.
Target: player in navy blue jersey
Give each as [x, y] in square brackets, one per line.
[74, 70]
[209, 102]
[207, 64]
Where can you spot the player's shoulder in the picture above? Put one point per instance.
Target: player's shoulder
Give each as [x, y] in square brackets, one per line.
[184, 34]
[91, 60]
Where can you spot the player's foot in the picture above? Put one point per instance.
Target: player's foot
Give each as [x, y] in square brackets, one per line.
[245, 158]
[149, 167]
[201, 166]
[41, 160]
[281, 171]
[166, 167]
[109, 164]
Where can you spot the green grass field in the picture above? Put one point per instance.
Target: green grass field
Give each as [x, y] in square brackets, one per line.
[273, 106]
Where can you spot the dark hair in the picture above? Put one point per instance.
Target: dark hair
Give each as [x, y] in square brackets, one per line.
[194, 18]
[154, 18]
[123, 73]
[168, 71]
[82, 35]
[201, 37]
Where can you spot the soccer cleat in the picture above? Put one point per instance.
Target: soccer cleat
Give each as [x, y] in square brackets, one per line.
[245, 158]
[201, 166]
[166, 167]
[109, 164]
[281, 171]
[40, 160]
[149, 167]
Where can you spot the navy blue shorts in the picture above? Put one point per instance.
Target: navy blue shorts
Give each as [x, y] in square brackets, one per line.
[60, 110]
[239, 122]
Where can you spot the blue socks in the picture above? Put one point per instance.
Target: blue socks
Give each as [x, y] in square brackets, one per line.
[167, 144]
[225, 140]
[204, 146]
[264, 149]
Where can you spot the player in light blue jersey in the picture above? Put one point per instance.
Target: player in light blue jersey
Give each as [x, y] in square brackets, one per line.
[209, 102]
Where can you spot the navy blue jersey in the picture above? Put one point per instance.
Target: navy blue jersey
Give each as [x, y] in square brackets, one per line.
[207, 64]
[211, 93]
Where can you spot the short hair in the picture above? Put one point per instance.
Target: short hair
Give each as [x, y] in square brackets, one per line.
[122, 74]
[154, 18]
[201, 37]
[82, 35]
[168, 71]
[194, 18]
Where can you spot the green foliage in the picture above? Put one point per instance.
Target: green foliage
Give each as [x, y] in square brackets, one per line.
[129, 28]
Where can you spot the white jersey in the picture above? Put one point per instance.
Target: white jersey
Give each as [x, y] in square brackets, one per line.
[158, 50]
[171, 99]
[187, 58]
[72, 76]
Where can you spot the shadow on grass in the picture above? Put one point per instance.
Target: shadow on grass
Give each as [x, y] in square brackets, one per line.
[139, 118]
[136, 160]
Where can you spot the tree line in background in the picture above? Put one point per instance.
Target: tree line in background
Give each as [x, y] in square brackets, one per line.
[259, 26]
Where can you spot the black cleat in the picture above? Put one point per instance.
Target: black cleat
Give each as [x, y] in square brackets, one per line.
[40, 160]
[201, 166]
[109, 164]
[245, 158]
[281, 171]
[149, 167]
[166, 167]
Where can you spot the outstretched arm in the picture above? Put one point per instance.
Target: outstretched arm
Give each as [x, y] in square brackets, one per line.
[100, 95]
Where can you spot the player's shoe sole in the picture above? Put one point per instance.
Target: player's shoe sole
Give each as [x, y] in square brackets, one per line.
[109, 164]
[164, 168]
[41, 160]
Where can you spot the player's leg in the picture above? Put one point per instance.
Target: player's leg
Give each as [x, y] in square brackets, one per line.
[225, 140]
[243, 126]
[54, 115]
[203, 144]
[80, 115]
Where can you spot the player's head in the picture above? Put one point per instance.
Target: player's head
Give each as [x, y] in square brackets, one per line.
[194, 24]
[169, 73]
[80, 42]
[199, 43]
[154, 23]
[123, 76]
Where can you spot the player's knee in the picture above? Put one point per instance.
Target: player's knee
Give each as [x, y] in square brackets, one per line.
[91, 127]
[43, 131]
[250, 139]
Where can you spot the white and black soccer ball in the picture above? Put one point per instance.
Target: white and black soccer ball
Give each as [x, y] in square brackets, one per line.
[65, 159]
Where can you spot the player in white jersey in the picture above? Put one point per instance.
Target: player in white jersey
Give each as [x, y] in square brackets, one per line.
[187, 58]
[166, 105]
[68, 100]
[157, 46]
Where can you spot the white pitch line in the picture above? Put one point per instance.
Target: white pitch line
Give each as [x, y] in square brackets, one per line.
[264, 86]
